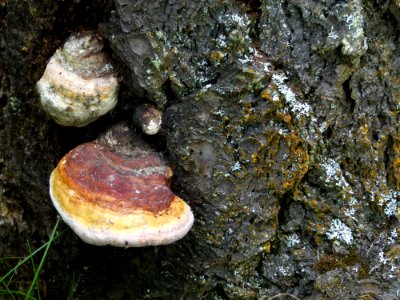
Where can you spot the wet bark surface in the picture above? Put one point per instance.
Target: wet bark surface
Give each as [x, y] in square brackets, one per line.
[280, 124]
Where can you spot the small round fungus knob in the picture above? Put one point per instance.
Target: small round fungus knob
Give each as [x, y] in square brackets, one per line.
[115, 191]
[79, 84]
[148, 117]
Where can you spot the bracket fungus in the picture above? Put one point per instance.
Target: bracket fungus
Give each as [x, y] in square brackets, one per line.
[79, 84]
[115, 191]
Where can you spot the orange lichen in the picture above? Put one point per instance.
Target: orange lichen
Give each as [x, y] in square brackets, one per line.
[283, 159]
[298, 156]
[394, 252]
[216, 56]
[363, 134]
[250, 71]
[269, 92]
[266, 94]
[284, 117]
[267, 247]
[249, 115]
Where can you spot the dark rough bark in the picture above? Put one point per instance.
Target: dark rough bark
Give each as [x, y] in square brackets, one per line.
[281, 126]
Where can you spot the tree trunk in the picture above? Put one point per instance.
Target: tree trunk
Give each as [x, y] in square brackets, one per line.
[281, 124]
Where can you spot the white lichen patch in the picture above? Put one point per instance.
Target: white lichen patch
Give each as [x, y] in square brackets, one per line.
[236, 167]
[292, 240]
[284, 271]
[220, 112]
[354, 42]
[333, 35]
[389, 201]
[393, 237]
[340, 231]
[266, 67]
[240, 20]
[384, 261]
[246, 59]
[296, 107]
[349, 212]
[381, 261]
[221, 41]
[348, 34]
[334, 174]
[382, 258]
[236, 39]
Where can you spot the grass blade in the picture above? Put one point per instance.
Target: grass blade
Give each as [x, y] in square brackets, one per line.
[12, 271]
[39, 269]
[16, 293]
[72, 287]
[33, 265]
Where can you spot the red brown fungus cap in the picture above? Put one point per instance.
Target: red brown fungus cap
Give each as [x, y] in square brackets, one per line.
[115, 191]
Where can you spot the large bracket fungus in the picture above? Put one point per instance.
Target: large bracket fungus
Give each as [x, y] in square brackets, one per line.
[115, 191]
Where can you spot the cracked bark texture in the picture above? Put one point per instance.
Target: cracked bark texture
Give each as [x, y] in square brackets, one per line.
[281, 126]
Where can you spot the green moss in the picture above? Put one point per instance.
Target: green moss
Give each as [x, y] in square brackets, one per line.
[332, 261]
[14, 104]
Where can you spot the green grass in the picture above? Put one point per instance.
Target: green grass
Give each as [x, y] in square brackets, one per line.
[8, 281]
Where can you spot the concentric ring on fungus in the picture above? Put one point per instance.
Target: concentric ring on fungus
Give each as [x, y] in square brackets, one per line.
[113, 193]
[79, 84]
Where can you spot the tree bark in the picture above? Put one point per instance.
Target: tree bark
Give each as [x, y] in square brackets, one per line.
[280, 124]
